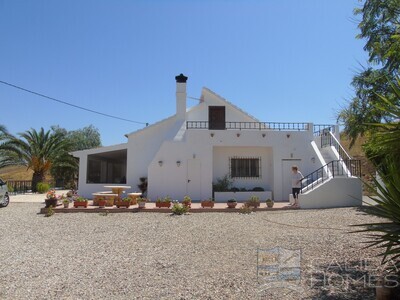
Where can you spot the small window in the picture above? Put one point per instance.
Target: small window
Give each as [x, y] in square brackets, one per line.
[241, 167]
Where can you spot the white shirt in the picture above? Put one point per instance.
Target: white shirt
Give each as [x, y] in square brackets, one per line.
[296, 179]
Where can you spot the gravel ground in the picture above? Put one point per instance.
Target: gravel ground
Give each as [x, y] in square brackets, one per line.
[197, 256]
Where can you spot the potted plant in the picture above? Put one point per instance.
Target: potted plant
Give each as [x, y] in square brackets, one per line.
[187, 201]
[65, 202]
[124, 202]
[80, 201]
[51, 198]
[253, 201]
[102, 202]
[163, 202]
[270, 203]
[141, 202]
[207, 203]
[143, 185]
[231, 203]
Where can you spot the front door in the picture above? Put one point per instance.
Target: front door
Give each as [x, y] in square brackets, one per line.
[216, 117]
[193, 186]
[287, 176]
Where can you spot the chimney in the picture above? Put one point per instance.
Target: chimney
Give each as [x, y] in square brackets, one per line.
[181, 96]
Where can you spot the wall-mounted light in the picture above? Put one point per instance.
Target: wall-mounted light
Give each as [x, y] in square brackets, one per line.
[313, 160]
[237, 134]
[160, 163]
[263, 135]
[194, 155]
[211, 134]
[288, 135]
[178, 163]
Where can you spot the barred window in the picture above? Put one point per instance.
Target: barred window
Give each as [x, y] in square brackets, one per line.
[241, 167]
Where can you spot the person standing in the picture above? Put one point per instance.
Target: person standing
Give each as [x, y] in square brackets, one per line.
[297, 177]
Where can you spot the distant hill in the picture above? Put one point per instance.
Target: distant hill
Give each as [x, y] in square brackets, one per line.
[15, 173]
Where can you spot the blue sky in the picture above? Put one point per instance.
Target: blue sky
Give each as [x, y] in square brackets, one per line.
[281, 61]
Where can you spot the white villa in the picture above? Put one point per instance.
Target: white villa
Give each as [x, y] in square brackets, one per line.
[189, 151]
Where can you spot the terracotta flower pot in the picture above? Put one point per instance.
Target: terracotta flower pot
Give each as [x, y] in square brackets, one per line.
[231, 204]
[125, 204]
[163, 204]
[66, 204]
[82, 204]
[102, 203]
[207, 204]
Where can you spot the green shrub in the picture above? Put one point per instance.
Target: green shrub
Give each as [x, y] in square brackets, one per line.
[258, 189]
[223, 184]
[179, 209]
[42, 187]
[10, 188]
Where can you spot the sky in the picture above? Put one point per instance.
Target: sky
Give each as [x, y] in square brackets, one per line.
[280, 61]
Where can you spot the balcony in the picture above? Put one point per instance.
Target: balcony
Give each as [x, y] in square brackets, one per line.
[277, 126]
[251, 126]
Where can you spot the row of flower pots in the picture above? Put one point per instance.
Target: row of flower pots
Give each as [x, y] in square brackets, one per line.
[109, 200]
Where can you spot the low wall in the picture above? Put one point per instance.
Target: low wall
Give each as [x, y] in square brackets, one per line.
[241, 196]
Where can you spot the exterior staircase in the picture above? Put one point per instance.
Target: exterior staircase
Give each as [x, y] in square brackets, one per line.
[337, 182]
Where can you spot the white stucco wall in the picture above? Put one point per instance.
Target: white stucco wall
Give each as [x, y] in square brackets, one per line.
[337, 192]
[221, 157]
[204, 154]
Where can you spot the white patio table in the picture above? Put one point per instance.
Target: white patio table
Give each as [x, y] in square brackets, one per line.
[118, 189]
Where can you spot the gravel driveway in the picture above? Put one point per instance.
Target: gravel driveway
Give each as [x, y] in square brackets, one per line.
[197, 256]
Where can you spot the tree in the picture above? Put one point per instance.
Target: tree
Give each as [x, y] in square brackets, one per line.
[37, 150]
[85, 138]
[380, 27]
[383, 145]
[81, 139]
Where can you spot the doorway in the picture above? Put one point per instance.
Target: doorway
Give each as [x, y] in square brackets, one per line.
[216, 117]
[193, 185]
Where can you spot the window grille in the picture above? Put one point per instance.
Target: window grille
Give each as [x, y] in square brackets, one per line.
[245, 167]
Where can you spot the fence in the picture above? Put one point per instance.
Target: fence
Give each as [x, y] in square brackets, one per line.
[22, 186]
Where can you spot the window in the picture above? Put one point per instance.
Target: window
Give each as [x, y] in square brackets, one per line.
[241, 167]
[107, 167]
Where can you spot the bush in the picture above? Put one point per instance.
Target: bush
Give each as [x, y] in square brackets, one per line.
[42, 187]
[179, 209]
[10, 188]
[223, 184]
[258, 189]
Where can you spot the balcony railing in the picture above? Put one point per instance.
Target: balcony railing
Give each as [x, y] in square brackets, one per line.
[336, 168]
[278, 126]
[251, 126]
[328, 139]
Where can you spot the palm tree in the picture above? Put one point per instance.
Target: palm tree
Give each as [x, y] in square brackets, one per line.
[37, 150]
[383, 149]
